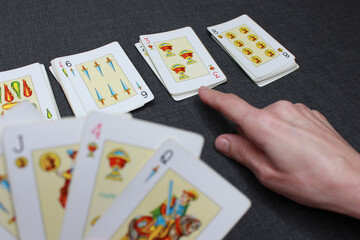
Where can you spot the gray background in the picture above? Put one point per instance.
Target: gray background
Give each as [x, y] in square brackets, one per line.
[323, 35]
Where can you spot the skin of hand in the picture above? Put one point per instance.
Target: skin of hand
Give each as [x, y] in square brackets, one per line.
[292, 150]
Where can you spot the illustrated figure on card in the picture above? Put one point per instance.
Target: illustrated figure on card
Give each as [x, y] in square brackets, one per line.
[170, 211]
[67, 175]
[168, 221]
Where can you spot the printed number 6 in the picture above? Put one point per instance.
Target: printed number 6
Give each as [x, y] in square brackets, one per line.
[68, 63]
[286, 54]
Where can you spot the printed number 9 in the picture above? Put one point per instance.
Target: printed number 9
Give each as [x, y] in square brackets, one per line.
[166, 156]
[68, 63]
[144, 94]
[286, 54]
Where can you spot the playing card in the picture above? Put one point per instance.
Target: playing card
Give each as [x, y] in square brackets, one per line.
[252, 47]
[40, 158]
[113, 150]
[21, 113]
[173, 196]
[182, 61]
[104, 79]
[145, 55]
[70, 93]
[29, 83]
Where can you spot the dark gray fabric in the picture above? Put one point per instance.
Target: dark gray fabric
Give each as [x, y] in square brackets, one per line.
[323, 35]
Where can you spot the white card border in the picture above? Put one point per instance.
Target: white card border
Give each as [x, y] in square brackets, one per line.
[263, 69]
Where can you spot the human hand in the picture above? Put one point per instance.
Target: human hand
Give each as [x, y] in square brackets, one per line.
[292, 150]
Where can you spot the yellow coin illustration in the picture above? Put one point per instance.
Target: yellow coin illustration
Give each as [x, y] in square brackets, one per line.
[219, 36]
[244, 30]
[21, 162]
[247, 51]
[238, 43]
[49, 162]
[280, 50]
[252, 37]
[261, 45]
[256, 59]
[230, 35]
[270, 53]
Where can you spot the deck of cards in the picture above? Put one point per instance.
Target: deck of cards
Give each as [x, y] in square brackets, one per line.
[180, 61]
[108, 176]
[29, 83]
[103, 79]
[258, 54]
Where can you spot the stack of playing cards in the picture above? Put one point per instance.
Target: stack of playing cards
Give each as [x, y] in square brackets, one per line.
[103, 79]
[109, 177]
[29, 83]
[258, 54]
[180, 61]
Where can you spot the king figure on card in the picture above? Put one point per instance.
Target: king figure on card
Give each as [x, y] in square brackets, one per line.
[168, 221]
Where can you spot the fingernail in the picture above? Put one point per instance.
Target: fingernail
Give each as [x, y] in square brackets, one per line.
[222, 145]
[203, 88]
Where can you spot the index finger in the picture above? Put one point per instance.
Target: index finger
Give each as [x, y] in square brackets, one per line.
[232, 107]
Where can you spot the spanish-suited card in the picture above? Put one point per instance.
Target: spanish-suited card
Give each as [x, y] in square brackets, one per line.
[24, 112]
[28, 83]
[259, 54]
[40, 159]
[104, 79]
[182, 61]
[113, 150]
[175, 195]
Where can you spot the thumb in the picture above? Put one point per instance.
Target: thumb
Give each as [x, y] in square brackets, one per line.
[243, 151]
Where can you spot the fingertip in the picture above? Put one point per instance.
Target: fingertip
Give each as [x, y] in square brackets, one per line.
[222, 145]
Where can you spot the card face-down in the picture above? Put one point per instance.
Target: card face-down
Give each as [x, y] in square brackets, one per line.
[29, 83]
[40, 159]
[181, 60]
[113, 150]
[104, 79]
[174, 195]
[251, 45]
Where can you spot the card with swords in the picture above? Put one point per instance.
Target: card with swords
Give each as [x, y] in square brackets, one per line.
[103, 79]
[183, 199]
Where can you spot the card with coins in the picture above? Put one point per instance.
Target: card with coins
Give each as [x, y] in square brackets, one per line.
[258, 54]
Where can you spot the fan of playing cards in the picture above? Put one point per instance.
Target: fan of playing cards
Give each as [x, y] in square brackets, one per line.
[180, 61]
[108, 177]
[258, 54]
[103, 79]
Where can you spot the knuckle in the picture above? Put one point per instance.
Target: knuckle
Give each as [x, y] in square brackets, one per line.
[266, 175]
[283, 105]
[318, 114]
[302, 106]
[284, 109]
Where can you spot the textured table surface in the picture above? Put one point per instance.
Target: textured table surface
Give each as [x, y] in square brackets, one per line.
[323, 35]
